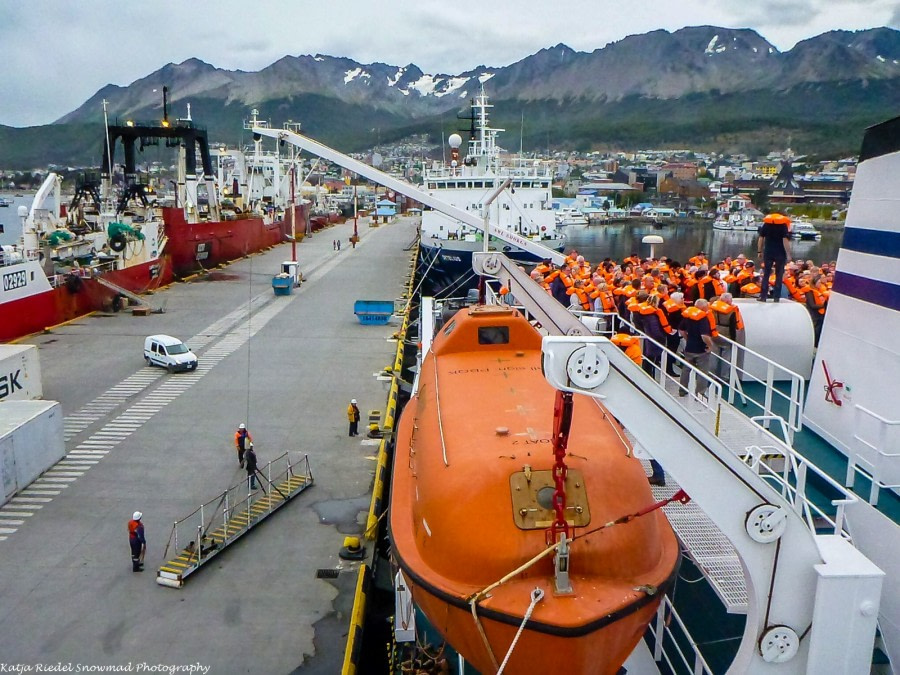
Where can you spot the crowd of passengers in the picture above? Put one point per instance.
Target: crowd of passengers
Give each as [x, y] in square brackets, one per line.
[658, 294]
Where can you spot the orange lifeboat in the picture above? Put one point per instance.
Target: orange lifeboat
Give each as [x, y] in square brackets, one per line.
[472, 500]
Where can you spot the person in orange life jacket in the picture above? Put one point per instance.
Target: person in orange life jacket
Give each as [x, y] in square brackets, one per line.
[729, 323]
[656, 326]
[674, 306]
[137, 541]
[558, 288]
[698, 336]
[630, 344]
[241, 438]
[578, 299]
[605, 301]
[774, 249]
[816, 301]
[699, 259]
[633, 305]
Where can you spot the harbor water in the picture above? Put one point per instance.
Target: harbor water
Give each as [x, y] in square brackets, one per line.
[681, 240]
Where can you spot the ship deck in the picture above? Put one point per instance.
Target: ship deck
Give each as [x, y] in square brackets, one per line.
[285, 365]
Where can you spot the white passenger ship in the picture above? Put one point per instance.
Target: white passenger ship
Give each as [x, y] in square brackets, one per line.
[523, 207]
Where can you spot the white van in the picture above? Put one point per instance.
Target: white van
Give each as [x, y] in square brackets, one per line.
[168, 352]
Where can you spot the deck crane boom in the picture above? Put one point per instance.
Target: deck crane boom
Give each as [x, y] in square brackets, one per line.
[305, 143]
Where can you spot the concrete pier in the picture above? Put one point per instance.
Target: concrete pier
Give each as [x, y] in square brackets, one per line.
[142, 439]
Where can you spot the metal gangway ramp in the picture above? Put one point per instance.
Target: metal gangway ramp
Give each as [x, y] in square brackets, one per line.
[218, 523]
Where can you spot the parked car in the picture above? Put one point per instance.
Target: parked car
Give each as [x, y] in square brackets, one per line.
[169, 352]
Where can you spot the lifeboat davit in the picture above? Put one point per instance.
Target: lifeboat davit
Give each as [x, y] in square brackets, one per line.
[472, 499]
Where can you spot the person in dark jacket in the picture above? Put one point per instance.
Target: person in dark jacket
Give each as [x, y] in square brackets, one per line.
[137, 541]
[774, 248]
[250, 464]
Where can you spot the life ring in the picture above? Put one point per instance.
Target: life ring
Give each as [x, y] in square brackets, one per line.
[117, 243]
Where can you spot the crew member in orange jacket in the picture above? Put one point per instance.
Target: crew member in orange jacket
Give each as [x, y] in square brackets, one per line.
[242, 438]
[137, 541]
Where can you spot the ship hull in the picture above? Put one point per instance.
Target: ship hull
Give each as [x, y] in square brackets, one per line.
[48, 306]
[193, 247]
[447, 265]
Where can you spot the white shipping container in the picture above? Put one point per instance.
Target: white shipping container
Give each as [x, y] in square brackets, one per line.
[31, 441]
[20, 373]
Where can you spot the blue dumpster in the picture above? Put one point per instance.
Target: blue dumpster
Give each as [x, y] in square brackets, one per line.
[373, 312]
[282, 284]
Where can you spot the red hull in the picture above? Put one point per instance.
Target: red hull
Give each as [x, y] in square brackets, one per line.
[196, 246]
[42, 310]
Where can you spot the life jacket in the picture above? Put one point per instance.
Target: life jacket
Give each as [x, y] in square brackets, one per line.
[695, 314]
[751, 288]
[630, 344]
[133, 526]
[726, 314]
[791, 284]
[582, 296]
[646, 309]
[703, 290]
[818, 299]
[550, 277]
[607, 301]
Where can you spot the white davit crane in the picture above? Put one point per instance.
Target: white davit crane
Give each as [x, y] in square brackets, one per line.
[812, 599]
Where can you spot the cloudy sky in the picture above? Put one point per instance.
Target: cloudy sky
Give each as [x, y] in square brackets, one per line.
[57, 53]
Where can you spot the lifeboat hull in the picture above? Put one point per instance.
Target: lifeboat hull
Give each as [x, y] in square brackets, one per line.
[471, 502]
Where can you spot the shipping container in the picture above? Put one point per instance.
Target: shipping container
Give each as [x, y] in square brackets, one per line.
[31, 441]
[20, 373]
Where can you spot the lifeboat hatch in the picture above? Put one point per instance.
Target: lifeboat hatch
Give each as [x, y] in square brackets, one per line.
[532, 494]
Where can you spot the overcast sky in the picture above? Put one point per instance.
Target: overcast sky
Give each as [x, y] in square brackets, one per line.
[58, 53]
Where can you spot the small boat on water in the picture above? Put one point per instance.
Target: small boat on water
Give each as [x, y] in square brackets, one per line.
[472, 503]
[804, 230]
[568, 215]
[6, 201]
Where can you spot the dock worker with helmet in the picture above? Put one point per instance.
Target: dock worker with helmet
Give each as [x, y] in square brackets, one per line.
[353, 415]
[137, 541]
[242, 439]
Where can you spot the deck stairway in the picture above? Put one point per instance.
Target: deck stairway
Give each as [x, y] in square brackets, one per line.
[134, 297]
[218, 523]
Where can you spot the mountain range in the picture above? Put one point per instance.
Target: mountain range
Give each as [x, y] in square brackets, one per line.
[704, 87]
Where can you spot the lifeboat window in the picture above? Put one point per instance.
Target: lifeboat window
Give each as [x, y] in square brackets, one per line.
[493, 335]
[449, 328]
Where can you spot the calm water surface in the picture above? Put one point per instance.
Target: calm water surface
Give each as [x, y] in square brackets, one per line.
[683, 240]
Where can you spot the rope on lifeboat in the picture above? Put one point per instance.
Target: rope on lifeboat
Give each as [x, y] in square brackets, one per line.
[536, 596]
[474, 598]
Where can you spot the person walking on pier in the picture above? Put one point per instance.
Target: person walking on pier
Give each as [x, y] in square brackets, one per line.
[137, 541]
[353, 415]
[241, 438]
[250, 461]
